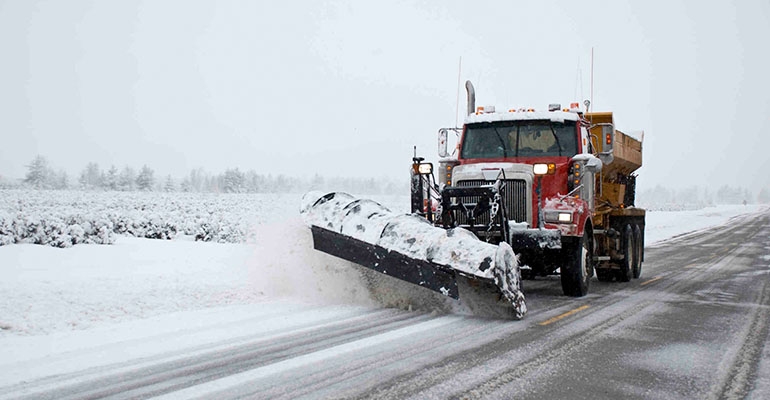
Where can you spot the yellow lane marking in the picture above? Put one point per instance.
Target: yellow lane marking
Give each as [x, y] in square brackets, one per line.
[691, 266]
[657, 278]
[565, 315]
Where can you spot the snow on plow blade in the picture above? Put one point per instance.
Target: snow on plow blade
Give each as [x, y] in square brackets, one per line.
[410, 248]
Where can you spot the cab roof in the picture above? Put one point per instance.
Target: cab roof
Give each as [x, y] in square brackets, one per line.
[514, 115]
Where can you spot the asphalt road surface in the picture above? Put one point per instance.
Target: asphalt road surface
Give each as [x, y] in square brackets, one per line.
[695, 326]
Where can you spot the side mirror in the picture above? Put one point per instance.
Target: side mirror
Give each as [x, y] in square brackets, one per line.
[607, 142]
[442, 143]
[608, 138]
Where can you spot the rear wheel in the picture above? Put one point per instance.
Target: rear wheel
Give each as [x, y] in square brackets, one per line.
[626, 271]
[638, 249]
[577, 269]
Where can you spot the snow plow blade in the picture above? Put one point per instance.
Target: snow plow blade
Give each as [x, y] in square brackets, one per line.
[410, 248]
[423, 273]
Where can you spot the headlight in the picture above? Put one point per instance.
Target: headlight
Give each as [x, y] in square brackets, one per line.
[425, 169]
[540, 169]
[544, 169]
[559, 217]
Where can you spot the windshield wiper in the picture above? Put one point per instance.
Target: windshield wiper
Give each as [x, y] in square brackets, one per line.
[518, 126]
[502, 143]
[550, 125]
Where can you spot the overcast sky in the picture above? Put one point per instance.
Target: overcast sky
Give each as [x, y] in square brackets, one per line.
[348, 88]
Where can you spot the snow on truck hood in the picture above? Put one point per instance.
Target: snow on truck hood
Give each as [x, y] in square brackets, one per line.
[479, 168]
[490, 171]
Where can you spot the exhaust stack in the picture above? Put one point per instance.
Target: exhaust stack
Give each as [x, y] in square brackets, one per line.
[471, 97]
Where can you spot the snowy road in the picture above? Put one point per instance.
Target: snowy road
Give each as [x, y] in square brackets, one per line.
[694, 326]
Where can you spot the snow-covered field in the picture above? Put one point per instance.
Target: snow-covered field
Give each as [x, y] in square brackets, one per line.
[663, 225]
[62, 218]
[55, 302]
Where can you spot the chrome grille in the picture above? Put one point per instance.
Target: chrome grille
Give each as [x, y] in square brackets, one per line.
[514, 199]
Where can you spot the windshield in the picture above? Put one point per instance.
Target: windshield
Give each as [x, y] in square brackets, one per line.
[519, 139]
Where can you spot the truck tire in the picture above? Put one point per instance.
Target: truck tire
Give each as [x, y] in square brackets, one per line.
[639, 248]
[577, 268]
[626, 271]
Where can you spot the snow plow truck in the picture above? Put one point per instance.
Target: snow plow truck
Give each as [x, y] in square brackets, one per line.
[525, 193]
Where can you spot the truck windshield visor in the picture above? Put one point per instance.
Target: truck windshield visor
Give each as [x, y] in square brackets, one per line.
[520, 139]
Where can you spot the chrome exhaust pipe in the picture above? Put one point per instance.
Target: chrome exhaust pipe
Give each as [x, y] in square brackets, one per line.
[471, 97]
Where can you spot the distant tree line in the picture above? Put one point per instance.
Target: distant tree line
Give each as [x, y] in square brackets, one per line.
[40, 175]
[695, 197]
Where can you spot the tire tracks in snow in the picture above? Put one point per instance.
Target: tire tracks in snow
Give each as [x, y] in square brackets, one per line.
[536, 351]
[168, 373]
[374, 364]
[737, 383]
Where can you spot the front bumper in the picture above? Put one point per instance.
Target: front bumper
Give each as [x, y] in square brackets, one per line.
[544, 239]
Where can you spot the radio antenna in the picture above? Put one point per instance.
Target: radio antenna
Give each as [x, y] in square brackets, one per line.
[592, 79]
[578, 80]
[457, 99]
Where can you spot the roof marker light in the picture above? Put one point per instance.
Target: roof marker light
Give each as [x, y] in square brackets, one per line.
[485, 110]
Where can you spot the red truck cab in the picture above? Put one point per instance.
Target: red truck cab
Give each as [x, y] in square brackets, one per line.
[545, 161]
[557, 185]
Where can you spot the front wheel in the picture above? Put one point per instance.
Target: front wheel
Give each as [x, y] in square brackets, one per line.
[578, 267]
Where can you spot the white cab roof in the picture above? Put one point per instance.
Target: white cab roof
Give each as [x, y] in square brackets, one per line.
[556, 116]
